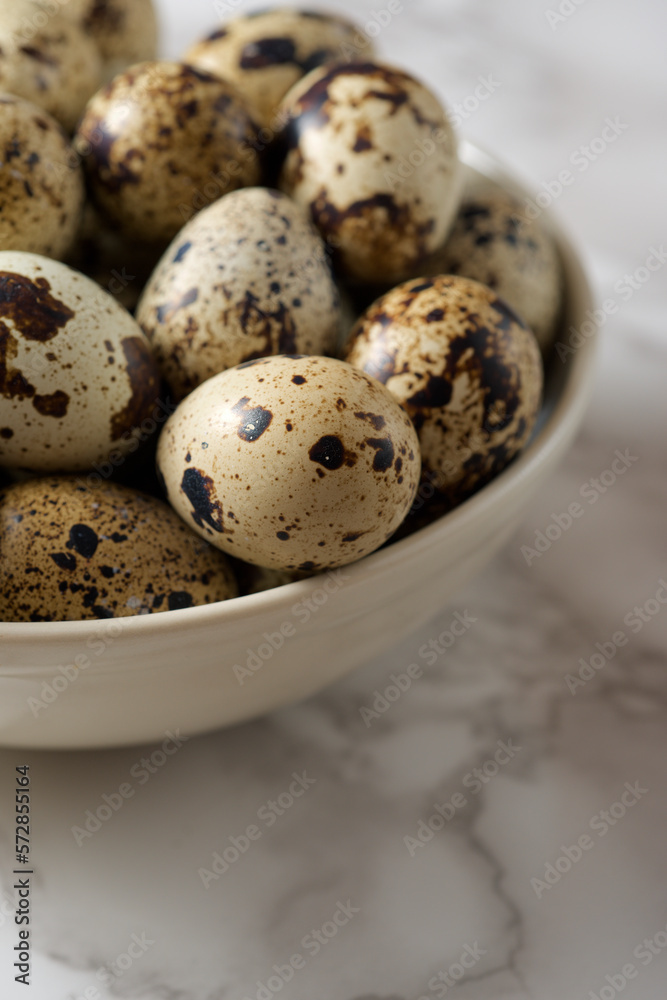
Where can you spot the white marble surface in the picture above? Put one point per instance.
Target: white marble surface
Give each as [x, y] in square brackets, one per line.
[505, 680]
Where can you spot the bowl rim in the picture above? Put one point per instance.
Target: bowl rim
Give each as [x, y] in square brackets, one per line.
[570, 403]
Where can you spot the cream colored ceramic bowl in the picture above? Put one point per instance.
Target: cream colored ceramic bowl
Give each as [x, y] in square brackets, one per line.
[101, 684]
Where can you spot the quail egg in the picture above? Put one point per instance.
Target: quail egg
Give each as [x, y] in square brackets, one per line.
[49, 60]
[163, 141]
[266, 53]
[248, 277]
[466, 370]
[291, 462]
[72, 553]
[41, 183]
[494, 241]
[126, 31]
[371, 154]
[77, 376]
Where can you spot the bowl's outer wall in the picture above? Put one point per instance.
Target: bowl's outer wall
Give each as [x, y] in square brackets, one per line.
[141, 677]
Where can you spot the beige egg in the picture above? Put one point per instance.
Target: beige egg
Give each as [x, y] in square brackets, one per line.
[126, 31]
[47, 59]
[248, 277]
[464, 367]
[266, 53]
[372, 156]
[163, 141]
[72, 553]
[41, 182]
[77, 375]
[291, 463]
[494, 241]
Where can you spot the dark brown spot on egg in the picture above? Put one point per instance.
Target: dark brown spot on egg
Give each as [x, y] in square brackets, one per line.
[63, 560]
[298, 380]
[268, 52]
[199, 489]
[377, 421]
[83, 539]
[144, 382]
[179, 599]
[6, 433]
[436, 393]
[364, 140]
[35, 313]
[254, 420]
[329, 452]
[167, 311]
[52, 405]
[384, 453]
[181, 252]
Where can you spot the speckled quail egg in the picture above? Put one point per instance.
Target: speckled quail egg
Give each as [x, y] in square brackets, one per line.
[372, 156]
[41, 182]
[267, 52]
[464, 367]
[248, 277]
[494, 241]
[291, 462]
[126, 31]
[77, 376]
[49, 60]
[161, 142]
[72, 553]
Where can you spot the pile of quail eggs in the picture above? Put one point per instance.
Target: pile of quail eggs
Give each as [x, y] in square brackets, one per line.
[254, 314]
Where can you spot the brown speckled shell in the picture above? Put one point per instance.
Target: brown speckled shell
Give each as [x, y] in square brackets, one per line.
[77, 376]
[161, 142]
[372, 156]
[55, 65]
[464, 367]
[248, 277]
[71, 553]
[266, 53]
[493, 241]
[291, 463]
[41, 181]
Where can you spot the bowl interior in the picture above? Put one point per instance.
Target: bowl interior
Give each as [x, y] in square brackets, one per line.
[566, 392]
